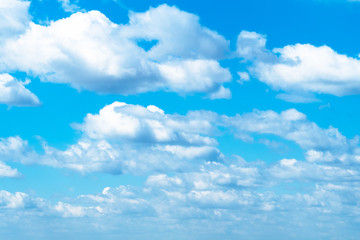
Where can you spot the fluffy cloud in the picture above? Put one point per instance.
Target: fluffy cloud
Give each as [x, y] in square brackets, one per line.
[7, 171]
[179, 33]
[321, 145]
[14, 18]
[301, 68]
[111, 140]
[18, 200]
[133, 122]
[88, 51]
[14, 93]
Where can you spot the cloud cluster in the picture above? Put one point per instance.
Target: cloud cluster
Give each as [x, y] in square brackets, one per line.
[110, 140]
[88, 51]
[188, 179]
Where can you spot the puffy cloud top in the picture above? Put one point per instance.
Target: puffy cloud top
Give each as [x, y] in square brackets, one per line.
[88, 51]
[301, 68]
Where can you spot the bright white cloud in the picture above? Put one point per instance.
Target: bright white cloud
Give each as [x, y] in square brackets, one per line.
[17, 200]
[300, 68]
[112, 138]
[14, 93]
[7, 171]
[14, 18]
[88, 51]
[133, 122]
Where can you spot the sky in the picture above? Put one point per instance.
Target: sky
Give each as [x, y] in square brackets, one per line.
[179, 119]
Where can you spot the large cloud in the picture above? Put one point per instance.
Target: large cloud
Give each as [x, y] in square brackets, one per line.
[88, 51]
[301, 68]
[111, 140]
[190, 183]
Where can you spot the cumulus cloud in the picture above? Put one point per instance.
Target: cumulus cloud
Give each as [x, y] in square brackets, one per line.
[301, 68]
[14, 93]
[88, 51]
[18, 200]
[134, 122]
[179, 33]
[14, 18]
[291, 125]
[325, 145]
[221, 192]
[111, 140]
[7, 171]
[69, 6]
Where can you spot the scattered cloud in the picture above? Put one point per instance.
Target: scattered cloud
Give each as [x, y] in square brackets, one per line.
[300, 69]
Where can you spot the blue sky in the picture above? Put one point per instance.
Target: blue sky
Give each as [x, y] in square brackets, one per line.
[179, 119]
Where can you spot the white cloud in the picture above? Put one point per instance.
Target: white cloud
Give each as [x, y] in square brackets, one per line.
[14, 93]
[7, 171]
[16, 149]
[111, 140]
[14, 18]
[179, 33]
[291, 125]
[88, 51]
[301, 68]
[16, 200]
[133, 122]
[291, 169]
[169, 142]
